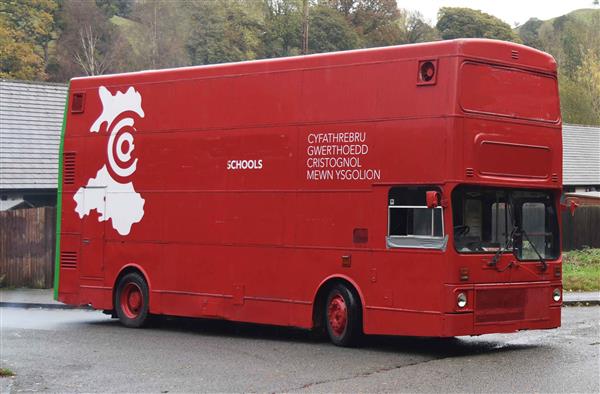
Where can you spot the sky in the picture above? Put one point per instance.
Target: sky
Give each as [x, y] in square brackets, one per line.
[510, 11]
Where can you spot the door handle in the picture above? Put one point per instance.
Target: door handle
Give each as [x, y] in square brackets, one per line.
[85, 241]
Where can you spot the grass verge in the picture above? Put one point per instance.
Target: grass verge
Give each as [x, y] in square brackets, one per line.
[5, 373]
[581, 270]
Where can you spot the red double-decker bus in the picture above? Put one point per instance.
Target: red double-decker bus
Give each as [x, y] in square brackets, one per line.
[408, 190]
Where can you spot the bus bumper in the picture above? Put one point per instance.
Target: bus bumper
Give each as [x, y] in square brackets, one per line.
[459, 324]
[490, 308]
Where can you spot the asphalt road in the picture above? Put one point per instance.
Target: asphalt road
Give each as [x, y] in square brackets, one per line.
[75, 351]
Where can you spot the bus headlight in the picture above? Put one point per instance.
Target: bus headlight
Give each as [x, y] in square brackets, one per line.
[461, 300]
[556, 295]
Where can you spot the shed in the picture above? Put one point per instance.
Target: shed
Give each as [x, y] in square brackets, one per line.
[31, 116]
[581, 158]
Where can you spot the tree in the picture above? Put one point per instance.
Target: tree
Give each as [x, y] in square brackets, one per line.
[226, 31]
[88, 57]
[568, 37]
[283, 23]
[116, 7]
[374, 21]
[88, 44]
[35, 18]
[18, 58]
[414, 29]
[330, 31]
[529, 33]
[576, 103]
[574, 41]
[159, 36]
[27, 29]
[468, 23]
[588, 78]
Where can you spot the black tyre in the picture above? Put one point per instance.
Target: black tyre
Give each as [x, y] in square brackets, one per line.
[343, 316]
[132, 300]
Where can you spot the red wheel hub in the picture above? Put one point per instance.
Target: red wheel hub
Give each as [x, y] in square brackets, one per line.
[131, 300]
[337, 314]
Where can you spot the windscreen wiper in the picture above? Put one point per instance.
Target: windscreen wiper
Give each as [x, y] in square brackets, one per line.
[494, 261]
[542, 260]
[509, 240]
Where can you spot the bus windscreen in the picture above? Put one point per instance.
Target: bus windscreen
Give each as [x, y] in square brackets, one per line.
[508, 92]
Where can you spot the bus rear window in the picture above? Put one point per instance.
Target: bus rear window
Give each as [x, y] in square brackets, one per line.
[508, 92]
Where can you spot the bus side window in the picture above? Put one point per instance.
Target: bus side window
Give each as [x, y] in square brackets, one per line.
[411, 224]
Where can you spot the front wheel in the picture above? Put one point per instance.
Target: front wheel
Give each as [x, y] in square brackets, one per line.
[132, 300]
[343, 317]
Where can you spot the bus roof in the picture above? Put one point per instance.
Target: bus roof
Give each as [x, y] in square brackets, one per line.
[484, 49]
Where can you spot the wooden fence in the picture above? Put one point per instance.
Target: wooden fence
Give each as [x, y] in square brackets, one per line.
[582, 229]
[27, 239]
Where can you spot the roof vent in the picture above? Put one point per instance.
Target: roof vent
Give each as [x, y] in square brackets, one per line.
[514, 54]
[77, 103]
[68, 260]
[69, 168]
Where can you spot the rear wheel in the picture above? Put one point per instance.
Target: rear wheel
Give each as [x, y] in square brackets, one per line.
[132, 300]
[343, 317]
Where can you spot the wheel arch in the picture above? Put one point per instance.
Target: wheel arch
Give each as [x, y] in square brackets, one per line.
[320, 296]
[126, 269]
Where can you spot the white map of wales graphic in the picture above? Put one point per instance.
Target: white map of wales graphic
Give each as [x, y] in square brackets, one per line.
[113, 200]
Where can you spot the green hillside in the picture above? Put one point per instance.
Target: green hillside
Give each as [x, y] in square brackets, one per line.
[574, 41]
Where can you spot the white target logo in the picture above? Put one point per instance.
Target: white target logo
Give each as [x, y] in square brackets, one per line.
[121, 143]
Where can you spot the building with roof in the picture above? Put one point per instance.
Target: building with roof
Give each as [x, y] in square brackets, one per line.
[581, 163]
[30, 124]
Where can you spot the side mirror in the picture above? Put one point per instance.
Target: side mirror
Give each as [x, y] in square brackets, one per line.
[433, 198]
[569, 204]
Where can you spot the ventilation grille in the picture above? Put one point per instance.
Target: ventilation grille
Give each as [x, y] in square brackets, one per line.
[554, 178]
[78, 102]
[69, 168]
[514, 54]
[500, 305]
[470, 172]
[68, 260]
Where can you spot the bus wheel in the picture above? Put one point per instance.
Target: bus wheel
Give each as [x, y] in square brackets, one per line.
[131, 300]
[343, 316]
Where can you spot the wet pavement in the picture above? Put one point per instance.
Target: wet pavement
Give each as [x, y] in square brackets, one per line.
[79, 350]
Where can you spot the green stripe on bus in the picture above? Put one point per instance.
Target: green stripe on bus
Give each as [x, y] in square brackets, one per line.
[59, 196]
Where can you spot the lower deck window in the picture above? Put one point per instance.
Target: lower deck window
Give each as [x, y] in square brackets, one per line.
[411, 224]
[415, 221]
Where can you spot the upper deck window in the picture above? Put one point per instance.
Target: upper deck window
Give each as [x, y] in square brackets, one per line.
[508, 92]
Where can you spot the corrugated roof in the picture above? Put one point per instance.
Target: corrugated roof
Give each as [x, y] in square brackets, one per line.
[584, 194]
[30, 124]
[581, 155]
